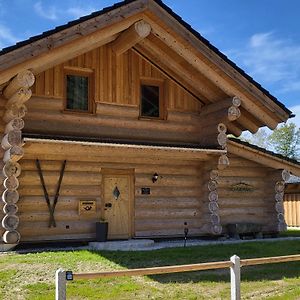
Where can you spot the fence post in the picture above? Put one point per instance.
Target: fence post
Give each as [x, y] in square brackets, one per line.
[60, 284]
[235, 278]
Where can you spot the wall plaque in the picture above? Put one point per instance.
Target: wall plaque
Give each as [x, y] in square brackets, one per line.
[87, 207]
[242, 187]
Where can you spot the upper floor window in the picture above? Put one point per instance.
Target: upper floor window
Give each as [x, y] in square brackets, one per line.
[78, 91]
[151, 99]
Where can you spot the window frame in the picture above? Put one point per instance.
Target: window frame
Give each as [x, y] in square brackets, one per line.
[160, 83]
[84, 72]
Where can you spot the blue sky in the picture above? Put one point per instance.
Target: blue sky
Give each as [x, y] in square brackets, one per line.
[260, 36]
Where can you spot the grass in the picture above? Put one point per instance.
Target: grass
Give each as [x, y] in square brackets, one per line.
[31, 276]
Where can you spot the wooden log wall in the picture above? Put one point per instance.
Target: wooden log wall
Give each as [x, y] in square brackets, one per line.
[292, 209]
[117, 84]
[116, 79]
[175, 198]
[245, 195]
[15, 94]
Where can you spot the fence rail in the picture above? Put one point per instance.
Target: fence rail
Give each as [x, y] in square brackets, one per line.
[235, 264]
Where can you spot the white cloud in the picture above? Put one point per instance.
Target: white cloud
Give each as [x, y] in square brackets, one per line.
[78, 12]
[271, 60]
[50, 13]
[54, 13]
[6, 36]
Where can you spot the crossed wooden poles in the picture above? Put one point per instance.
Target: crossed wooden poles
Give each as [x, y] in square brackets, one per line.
[51, 208]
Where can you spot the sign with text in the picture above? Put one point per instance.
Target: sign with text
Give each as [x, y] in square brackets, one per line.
[87, 207]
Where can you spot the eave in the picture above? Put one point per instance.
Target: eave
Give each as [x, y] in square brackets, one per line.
[51, 149]
[261, 156]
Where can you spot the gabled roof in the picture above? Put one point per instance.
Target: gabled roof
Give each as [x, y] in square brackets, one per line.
[205, 59]
[171, 12]
[263, 156]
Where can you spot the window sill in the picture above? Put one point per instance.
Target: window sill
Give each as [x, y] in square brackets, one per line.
[77, 112]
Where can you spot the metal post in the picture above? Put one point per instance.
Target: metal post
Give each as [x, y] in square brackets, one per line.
[235, 278]
[60, 285]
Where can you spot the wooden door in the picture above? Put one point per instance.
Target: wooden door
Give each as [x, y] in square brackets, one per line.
[117, 198]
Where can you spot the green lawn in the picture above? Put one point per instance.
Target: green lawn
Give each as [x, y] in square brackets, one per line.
[31, 276]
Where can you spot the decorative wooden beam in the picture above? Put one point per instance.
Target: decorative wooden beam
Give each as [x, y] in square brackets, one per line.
[262, 158]
[128, 38]
[24, 80]
[232, 128]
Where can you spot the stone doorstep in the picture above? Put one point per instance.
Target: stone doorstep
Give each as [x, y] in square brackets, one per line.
[122, 245]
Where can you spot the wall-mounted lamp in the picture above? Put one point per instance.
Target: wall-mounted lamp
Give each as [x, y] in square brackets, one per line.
[154, 177]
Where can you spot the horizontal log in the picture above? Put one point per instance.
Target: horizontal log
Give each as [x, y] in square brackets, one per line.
[60, 237]
[165, 202]
[244, 202]
[190, 169]
[19, 98]
[131, 36]
[178, 224]
[170, 191]
[11, 183]
[232, 171]
[167, 233]
[168, 180]
[10, 197]
[59, 215]
[24, 79]
[167, 213]
[248, 218]
[14, 112]
[220, 105]
[31, 204]
[11, 169]
[108, 160]
[12, 138]
[15, 124]
[10, 222]
[11, 237]
[69, 178]
[13, 154]
[66, 190]
[10, 209]
[30, 229]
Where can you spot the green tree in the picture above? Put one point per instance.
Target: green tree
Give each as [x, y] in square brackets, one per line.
[286, 140]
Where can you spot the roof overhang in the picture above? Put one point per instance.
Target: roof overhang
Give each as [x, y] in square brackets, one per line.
[263, 158]
[199, 57]
[50, 149]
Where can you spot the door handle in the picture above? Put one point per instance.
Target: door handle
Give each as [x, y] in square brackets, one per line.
[108, 205]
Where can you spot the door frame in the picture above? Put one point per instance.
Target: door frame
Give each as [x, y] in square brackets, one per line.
[131, 173]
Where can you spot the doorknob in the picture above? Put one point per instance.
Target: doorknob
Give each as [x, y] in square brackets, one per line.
[108, 205]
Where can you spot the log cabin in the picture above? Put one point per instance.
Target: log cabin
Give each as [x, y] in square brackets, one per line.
[124, 115]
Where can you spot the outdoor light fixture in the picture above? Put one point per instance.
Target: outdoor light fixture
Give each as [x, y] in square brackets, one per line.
[154, 177]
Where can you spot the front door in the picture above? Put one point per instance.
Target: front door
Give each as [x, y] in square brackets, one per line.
[117, 191]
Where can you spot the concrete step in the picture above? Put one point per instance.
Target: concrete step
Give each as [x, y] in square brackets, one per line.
[127, 245]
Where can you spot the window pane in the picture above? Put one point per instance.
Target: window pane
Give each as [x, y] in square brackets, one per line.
[150, 101]
[77, 92]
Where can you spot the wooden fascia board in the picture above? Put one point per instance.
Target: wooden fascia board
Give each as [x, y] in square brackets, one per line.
[40, 146]
[92, 32]
[262, 158]
[157, 11]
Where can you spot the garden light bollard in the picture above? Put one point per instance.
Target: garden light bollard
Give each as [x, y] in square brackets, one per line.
[235, 278]
[60, 285]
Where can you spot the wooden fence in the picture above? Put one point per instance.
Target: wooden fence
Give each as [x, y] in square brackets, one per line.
[235, 264]
[292, 209]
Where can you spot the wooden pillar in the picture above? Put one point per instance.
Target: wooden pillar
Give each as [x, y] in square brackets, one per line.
[17, 92]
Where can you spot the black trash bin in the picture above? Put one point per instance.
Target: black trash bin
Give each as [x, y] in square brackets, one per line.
[101, 231]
